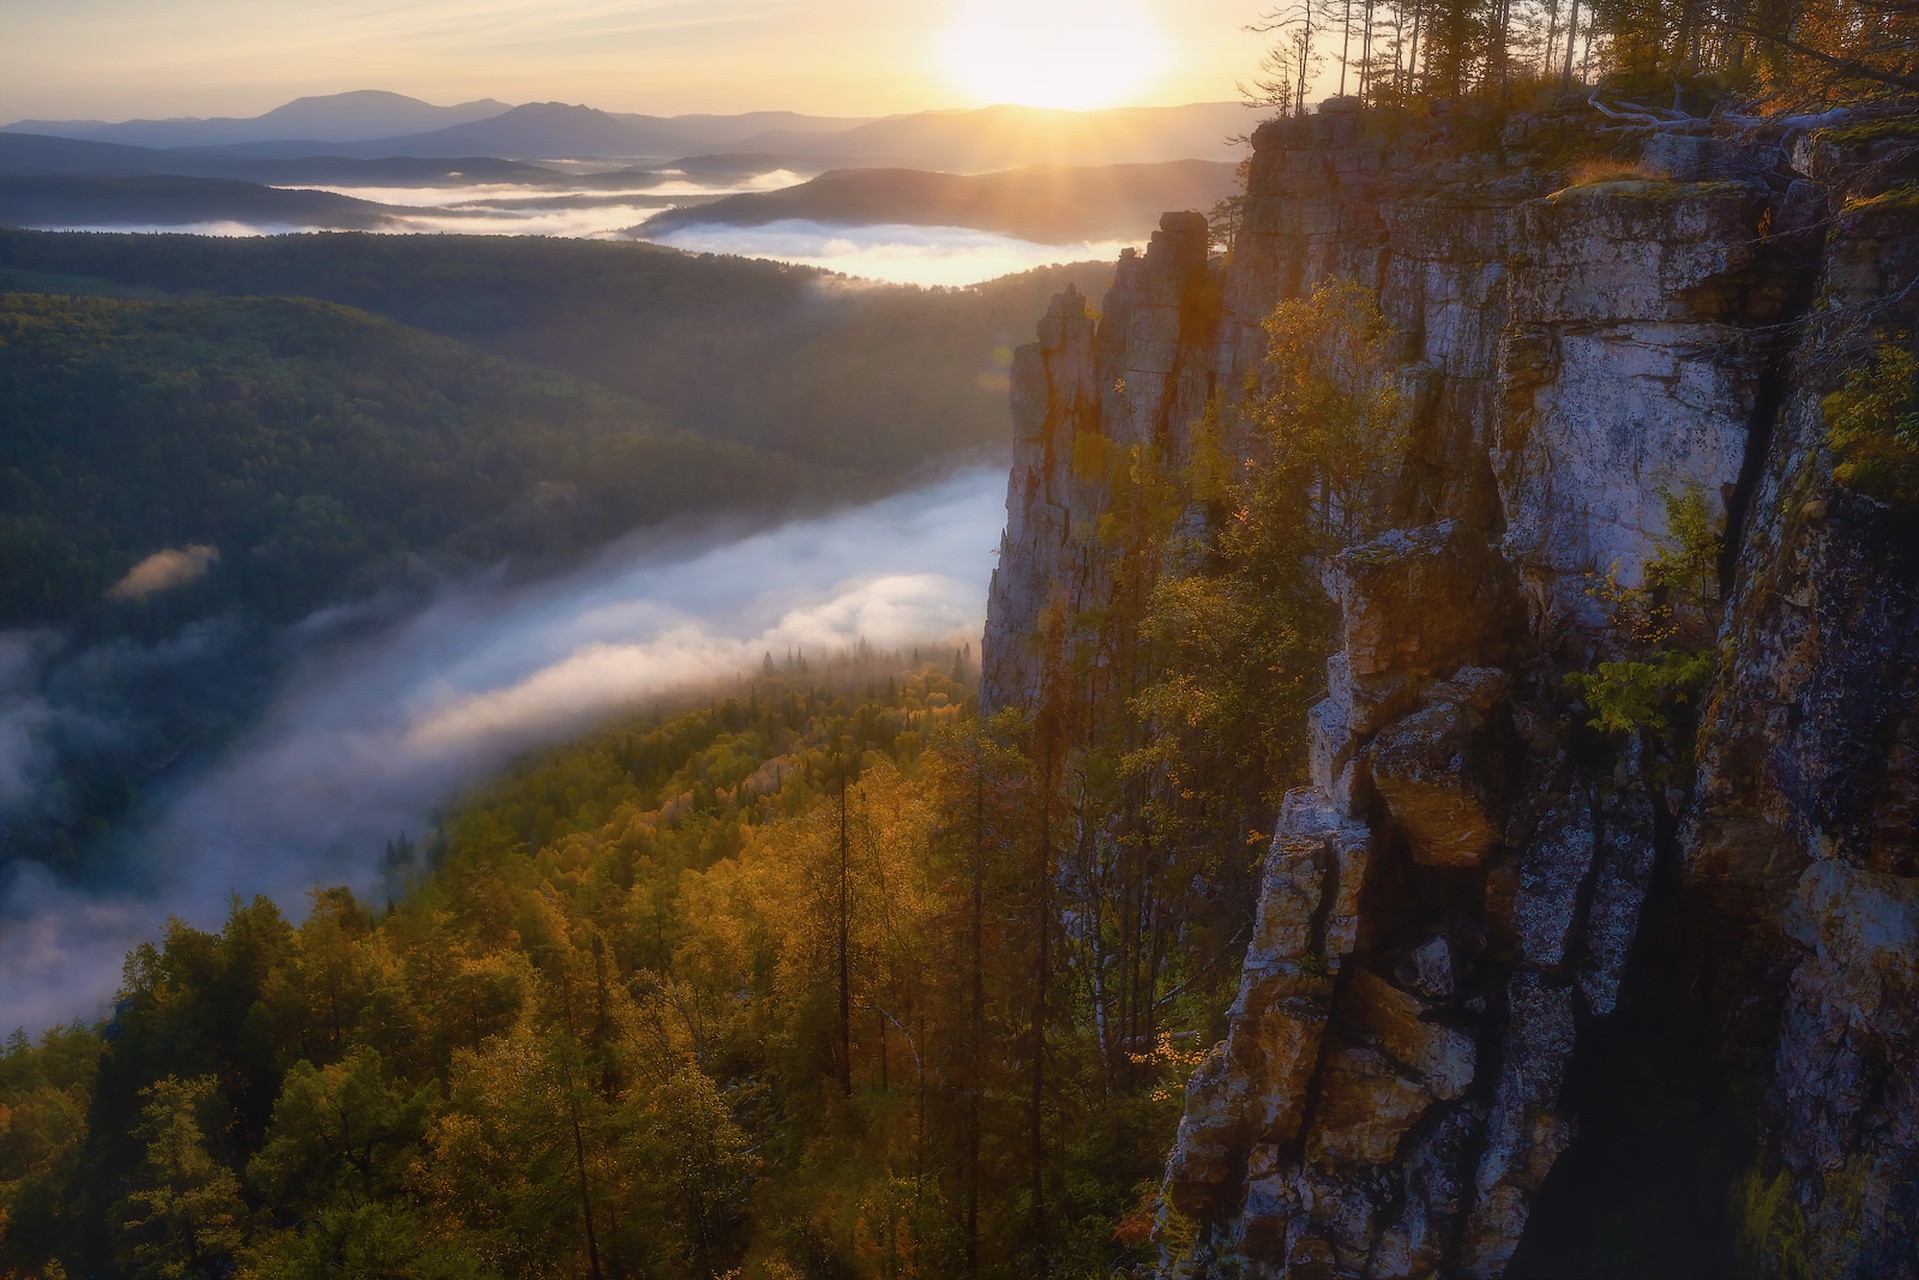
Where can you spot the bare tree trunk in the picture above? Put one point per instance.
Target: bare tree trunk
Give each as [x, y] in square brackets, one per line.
[1042, 980]
[586, 1201]
[1345, 44]
[846, 973]
[978, 1019]
[1366, 51]
[1552, 38]
[1572, 39]
[1412, 56]
[1499, 50]
[1305, 58]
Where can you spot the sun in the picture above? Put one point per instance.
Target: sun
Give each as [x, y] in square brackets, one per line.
[1075, 54]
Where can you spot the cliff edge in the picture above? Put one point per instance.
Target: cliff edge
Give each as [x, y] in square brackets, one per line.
[1523, 998]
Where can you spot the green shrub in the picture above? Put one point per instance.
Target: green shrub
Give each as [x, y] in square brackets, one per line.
[1872, 425]
[1628, 697]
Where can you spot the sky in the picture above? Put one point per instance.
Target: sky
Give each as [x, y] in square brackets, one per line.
[121, 59]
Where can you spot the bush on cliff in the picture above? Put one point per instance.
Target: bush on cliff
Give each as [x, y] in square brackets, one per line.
[1872, 425]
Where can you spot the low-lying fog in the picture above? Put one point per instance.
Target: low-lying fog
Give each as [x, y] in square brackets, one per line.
[897, 253]
[589, 209]
[510, 196]
[366, 736]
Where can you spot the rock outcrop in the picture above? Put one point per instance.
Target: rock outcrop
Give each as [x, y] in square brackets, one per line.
[1453, 919]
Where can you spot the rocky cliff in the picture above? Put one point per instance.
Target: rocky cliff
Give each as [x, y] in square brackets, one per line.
[1523, 999]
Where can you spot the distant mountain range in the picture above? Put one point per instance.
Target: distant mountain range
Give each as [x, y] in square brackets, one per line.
[1053, 205]
[554, 130]
[1050, 176]
[373, 125]
[339, 117]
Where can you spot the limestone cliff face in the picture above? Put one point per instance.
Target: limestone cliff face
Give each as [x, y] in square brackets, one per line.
[1471, 937]
[1801, 846]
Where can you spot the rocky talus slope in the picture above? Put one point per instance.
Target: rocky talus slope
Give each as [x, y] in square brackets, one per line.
[1511, 1008]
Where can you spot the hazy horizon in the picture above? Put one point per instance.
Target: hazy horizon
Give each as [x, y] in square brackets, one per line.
[114, 60]
[447, 103]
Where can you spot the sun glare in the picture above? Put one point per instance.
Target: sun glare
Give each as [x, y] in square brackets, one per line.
[1076, 54]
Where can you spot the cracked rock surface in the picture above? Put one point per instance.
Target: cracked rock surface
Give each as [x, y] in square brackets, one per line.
[1453, 928]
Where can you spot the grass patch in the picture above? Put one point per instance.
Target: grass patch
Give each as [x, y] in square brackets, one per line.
[1896, 129]
[1598, 170]
[1902, 198]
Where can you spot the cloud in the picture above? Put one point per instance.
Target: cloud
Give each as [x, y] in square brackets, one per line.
[71, 710]
[369, 733]
[165, 570]
[897, 253]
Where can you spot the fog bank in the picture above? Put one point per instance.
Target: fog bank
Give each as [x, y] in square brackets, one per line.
[894, 252]
[366, 736]
[586, 206]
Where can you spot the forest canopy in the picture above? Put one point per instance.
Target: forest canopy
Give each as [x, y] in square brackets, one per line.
[312, 449]
[776, 983]
[845, 374]
[1676, 56]
[209, 439]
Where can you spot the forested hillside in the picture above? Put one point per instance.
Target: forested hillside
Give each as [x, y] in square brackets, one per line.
[316, 452]
[92, 200]
[756, 984]
[405, 410]
[861, 376]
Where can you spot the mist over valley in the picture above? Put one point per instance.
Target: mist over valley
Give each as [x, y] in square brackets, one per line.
[191, 474]
[556, 170]
[371, 728]
[1005, 640]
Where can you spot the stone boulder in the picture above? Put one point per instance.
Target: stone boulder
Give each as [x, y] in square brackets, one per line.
[1424, 602]
[1544, 913]
[1366, 1105]
[1408, 1029]
[1443, 771]
[1254, 1086]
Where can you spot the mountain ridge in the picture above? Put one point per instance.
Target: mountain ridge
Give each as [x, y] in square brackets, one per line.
[966, 139]
[352, 116]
